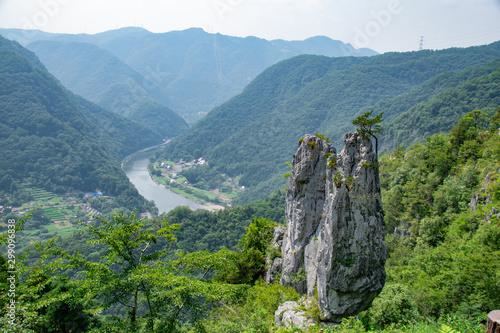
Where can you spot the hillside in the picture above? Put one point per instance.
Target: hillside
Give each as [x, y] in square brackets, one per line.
[442, 240]
[158, 117]
[189, 71]
[478, 89]
[57, 141]
[102, 78]
[253, 134]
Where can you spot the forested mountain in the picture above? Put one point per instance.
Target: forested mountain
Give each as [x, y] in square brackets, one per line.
[189, 71]
[57, 141]
[253, 134]
[158, 117]
[441, 112]
[69, 61]
[100, 77]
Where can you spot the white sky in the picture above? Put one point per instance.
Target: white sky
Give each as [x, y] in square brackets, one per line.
[383, 25]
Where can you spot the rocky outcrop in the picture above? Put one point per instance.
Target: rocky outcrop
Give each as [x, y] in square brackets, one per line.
[305, 200]
[289, 314]
[275, 265]
[481, 199]
[334, 239]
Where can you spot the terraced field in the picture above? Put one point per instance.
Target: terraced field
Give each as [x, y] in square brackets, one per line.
[55, 214]
[55, 207]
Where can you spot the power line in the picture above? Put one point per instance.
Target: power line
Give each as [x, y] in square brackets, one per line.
[475, 37]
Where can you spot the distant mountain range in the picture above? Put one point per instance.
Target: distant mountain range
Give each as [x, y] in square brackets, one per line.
[100, 77]
[420, 93]
[136, 74]
[188, 71]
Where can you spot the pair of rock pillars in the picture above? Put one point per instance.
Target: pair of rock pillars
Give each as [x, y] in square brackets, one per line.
[334, 239]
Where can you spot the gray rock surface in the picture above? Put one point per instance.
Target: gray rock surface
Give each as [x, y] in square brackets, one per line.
[278, 234]
[275, 264]
[274, 271]
[288, 314]
[335, 229]
[305, 199]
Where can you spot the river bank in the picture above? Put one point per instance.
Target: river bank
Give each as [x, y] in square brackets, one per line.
[209, 187]
[182, 191]
[135, 167]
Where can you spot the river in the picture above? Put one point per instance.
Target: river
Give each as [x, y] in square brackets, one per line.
[136, 169]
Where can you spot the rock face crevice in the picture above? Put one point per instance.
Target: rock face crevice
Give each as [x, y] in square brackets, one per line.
[305, 200]
[334, 240]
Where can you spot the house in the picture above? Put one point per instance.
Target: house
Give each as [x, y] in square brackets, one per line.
[92, 195]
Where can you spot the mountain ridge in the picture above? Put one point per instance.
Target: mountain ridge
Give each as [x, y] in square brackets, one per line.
[107, 81]
[251, 135]
[196, 70]
[56, 141]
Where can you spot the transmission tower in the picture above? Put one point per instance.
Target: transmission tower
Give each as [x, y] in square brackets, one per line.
[421, 43]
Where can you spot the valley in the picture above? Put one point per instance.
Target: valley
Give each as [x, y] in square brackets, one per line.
[211, 189]
[188, 157]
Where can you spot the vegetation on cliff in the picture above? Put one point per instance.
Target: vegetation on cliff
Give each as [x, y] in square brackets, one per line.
[442, 270]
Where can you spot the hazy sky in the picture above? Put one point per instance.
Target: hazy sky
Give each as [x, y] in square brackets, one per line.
[383, 25]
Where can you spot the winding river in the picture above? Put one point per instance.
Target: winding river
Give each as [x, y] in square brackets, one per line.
[136, 169]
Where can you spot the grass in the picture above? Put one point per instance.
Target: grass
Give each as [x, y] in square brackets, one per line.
[181, 179]
[41, 195]
[55, 200]
[184, 193]
[210, 195]
[65, 211]
[61, 229]
[171, 163]
[188, 192]
[48, 231]
[231, 195]
[54, 214]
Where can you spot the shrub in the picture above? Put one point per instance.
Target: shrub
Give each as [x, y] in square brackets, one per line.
[394, 305]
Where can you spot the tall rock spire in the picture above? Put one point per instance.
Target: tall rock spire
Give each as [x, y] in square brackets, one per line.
[334, 237]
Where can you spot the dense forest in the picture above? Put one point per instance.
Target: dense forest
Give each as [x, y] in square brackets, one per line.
[443, 241]
[57, 141]
[254, 133]
[455, 93]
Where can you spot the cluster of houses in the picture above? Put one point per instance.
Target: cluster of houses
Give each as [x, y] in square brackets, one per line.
[182, 165]
[89, 210]
[12, 210]
[92, 195]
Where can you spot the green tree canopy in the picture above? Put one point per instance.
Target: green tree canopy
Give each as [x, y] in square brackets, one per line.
[369, 127]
